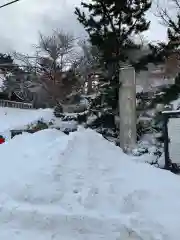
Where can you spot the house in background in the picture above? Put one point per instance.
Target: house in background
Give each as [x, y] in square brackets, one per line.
[159, 75]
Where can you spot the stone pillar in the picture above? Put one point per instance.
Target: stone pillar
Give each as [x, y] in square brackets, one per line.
[127, 108]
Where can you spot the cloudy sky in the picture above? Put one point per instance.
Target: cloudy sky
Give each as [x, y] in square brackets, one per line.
[20, 22]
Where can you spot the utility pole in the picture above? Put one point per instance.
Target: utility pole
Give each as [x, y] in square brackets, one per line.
[127, 108]
[9, 3]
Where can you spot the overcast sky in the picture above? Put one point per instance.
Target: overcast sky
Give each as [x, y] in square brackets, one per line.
[20, 22]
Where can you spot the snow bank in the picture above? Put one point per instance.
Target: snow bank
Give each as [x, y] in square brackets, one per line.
[55, 186]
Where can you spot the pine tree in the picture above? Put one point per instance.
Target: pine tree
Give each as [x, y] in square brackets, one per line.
[169, 51]
[112, 26]
[169, 54]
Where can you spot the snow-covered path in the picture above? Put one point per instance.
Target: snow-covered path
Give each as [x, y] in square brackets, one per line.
[80, 186]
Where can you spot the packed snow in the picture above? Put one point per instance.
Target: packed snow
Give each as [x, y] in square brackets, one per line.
[80, 186]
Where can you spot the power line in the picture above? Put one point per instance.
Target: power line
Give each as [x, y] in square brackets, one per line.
[9, 3]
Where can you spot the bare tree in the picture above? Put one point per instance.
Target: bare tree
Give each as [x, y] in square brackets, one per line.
[53, 66]
[58, 48]
[169, 14]
[89, 63]
[56, 58]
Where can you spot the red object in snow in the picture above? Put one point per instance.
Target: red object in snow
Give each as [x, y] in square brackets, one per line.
[2, 140]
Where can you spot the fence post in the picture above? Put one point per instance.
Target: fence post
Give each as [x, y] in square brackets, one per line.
[127, 108]
[166, 142]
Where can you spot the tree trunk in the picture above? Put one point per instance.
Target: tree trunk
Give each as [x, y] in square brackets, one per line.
[89, 87]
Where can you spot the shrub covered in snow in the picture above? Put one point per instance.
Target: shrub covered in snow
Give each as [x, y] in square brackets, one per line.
[39, 125]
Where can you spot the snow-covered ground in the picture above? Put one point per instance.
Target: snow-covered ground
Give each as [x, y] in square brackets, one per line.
[80, 186]
[13, 118]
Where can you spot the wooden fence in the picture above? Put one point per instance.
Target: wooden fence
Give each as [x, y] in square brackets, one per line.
[13, 104]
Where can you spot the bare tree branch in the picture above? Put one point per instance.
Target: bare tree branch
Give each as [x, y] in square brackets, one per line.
[166, 11]
[55, 65]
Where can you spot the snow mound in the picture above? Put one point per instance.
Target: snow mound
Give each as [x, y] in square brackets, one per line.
[80, 186]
